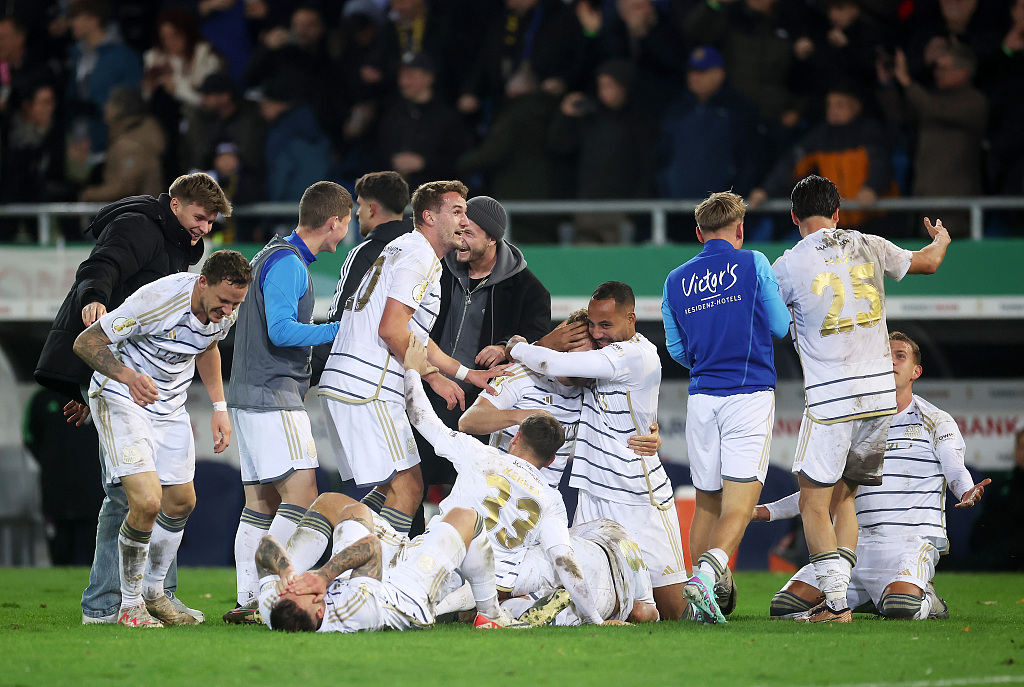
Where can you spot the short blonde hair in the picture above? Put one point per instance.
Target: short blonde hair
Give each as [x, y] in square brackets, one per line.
[200, 188]
[915, 350]
[720, 210]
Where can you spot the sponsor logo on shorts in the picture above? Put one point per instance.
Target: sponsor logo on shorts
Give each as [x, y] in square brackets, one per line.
[426, 564]
[913, 432]
[131, 455]
[123, 326]
[420, 291]
[311, 448]
[410, 444]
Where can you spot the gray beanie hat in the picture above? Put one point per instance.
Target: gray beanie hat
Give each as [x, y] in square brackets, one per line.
[489, 214]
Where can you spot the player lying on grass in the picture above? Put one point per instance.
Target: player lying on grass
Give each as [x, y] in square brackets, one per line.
[902, 530]
[614, 568]
[353, 592]
[519, 508]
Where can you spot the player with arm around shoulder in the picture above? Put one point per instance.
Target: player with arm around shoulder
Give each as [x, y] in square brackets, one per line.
[832, 280]
[161, 334]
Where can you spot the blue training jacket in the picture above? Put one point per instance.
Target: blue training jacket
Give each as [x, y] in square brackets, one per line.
[721, 309]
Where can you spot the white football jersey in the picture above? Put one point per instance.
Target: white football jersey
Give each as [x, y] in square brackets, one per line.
[519, 388]
[352, 604]
[924, 453]
[360, 366]
[156, 333]
[519, 509]
[613, 410]
[832, 280]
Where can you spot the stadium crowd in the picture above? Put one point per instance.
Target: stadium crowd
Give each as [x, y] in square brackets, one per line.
[524, 99]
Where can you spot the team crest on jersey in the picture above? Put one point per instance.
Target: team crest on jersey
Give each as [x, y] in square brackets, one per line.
[131, 455]
[913, 432]
[496, 383]
[426, 564]
[420, 291]
[311, 448]
[410, 444]
[123, 326]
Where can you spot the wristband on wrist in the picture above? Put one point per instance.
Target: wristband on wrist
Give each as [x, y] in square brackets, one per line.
[220, 405]
[461, 374]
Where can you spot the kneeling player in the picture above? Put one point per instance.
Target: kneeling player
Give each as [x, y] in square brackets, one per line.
[902, 530]
[371, 598]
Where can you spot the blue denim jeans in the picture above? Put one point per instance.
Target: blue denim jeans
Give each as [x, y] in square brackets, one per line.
[103, 595]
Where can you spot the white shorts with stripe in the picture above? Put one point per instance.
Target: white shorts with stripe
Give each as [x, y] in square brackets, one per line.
[536, 576]
[851, 450]
[655, 531]
[882, 560]
[418, 582]
[372, 441]
[729, 438]
[135, 441]
[273, 444]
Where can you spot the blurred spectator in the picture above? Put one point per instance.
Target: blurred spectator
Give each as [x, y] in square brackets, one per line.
[516, 158]
[414, 27]
[708, 135]
[33, 152]
[241, 187]
[996, 543]
[180, 60]
[541, 35]
[950, 122]
[223, 22]
[133, 166]
[936, 26]
[614, 138]
[99, 62]
[297, 152]
[17, 68]
[420, 136]
[223, 116]
[848, 147]
[1005, 88]
[654, 45]
[299, 55]
[362, 67]
[843, 50]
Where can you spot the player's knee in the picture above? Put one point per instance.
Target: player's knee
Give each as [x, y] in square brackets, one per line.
[145, 506]
[786, 604]
[353, 511]
[900, 606]
[331, 505]
[462, 519]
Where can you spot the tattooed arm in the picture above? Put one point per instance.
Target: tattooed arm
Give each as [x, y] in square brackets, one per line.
[363, 558]
[92, 346]
[271, 559]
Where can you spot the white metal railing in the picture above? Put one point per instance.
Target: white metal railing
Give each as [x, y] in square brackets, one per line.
[657, 209]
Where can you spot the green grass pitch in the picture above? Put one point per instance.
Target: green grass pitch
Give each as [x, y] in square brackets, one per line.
[42, 642]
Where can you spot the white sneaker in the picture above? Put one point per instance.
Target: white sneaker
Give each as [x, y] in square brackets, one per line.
[99, 620]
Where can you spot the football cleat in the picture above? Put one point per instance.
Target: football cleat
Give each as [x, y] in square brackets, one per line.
[137, 616]
[249, 614]
[178, 605]
[699, 590]
[543, 612]
[503, 621]
[163, 610]
[939, 611]
[725, 592]
[822, 613]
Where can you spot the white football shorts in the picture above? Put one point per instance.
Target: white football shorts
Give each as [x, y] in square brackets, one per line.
[135, 441]
[273, 444]
[851, 450]
[729, 438]
[372, 441]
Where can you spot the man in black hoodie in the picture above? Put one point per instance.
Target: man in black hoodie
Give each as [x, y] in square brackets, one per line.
[487, 296]
[139, 239]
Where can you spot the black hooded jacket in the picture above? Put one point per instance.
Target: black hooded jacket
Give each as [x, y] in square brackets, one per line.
[138, 240]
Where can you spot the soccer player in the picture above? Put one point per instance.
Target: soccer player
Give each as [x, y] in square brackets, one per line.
[270, 377]
[613, 481]
[721, 310]
[902, 526]
[361, 385]
[162, 334]
[372, 598]
[507, 489]
[832, 281]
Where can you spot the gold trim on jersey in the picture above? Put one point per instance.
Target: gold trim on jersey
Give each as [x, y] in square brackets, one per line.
[848, 418]
[291, 436]
[387, 426]
[675, 541]
[643, 463]
[353, 606]
[361, 401]
[766, 449]
[412, 620]
[161, 311]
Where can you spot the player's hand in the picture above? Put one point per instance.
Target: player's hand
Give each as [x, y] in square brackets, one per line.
[645, 444]
[142, 388]
[491, 355]
[221, 426]
[760, 514]
[973, 495]
[76, 413]
[286, 577]
[565, 336]
[614, 623]
[307, 583]
[450, 391]
[482, 378]
[416, 357]
[937, 231]
[93, 312]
